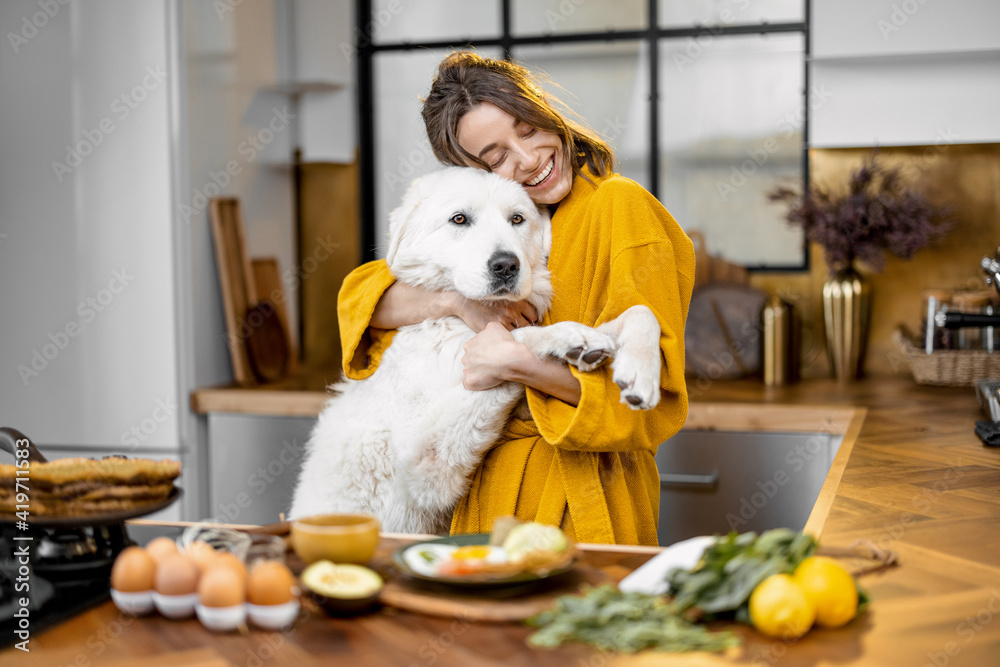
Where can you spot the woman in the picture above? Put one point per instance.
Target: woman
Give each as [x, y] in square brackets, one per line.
[584, 461]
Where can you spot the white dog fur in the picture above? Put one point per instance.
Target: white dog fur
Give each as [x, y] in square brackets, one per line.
[402, 443]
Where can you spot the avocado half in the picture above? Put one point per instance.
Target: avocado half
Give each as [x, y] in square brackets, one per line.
[342, 589]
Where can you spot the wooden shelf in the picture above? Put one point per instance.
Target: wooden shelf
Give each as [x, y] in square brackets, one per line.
[301, 394]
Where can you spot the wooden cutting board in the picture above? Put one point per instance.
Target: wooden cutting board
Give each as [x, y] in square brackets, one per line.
[503, 605]
[239, 292]
[267, 278]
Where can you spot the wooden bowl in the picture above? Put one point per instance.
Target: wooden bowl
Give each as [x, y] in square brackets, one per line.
[340, 538]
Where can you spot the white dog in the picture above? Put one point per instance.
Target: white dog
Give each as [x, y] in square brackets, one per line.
[401, 444]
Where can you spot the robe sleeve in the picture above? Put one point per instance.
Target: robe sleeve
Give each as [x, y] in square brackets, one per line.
[653, 266]
[363, 345]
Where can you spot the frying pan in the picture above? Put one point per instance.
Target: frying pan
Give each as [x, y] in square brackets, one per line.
[8, 439]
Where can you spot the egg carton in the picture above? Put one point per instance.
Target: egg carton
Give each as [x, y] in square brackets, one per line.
[988, 393]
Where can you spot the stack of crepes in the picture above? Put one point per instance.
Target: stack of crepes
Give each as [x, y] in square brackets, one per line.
[80, 486]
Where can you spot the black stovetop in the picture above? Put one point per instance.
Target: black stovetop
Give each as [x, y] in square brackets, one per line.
[61, 572]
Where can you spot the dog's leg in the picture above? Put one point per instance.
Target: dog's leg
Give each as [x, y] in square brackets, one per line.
[575, 343]
[637, 360]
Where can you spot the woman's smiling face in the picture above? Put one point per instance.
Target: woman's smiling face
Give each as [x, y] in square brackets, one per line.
[518, 151]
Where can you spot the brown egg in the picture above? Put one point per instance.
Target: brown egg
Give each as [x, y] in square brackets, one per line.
[176, 575]
[134, 571]
[270, 582]
[202, 553]
[161, 547]
[232, 561]
[221, 586]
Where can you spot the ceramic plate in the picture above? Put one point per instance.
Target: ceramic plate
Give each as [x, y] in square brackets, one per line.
[402, 555]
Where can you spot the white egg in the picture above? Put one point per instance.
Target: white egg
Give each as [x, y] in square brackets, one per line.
[425, 558]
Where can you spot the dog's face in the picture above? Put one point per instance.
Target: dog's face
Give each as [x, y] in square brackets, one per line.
[471, 231]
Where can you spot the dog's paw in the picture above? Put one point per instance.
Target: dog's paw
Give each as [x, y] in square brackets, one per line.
[639, 383]
[580, 345]
[575, 343]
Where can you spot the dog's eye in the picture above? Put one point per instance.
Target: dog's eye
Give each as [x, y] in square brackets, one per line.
[516, 219]
[459, 219]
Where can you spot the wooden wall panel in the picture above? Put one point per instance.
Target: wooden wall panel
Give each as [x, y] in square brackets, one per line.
[330, 249]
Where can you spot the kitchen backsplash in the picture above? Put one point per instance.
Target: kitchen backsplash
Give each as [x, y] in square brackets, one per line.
[965, 177]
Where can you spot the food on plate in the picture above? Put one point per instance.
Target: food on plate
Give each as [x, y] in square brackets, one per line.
[446, 560]
[78, 486]
[270, 583]
[161, 547]
[780, 609]
[134, 571]
[514, 547]
[342, 589]
[830, 589]
[537, 547]
[611, 620]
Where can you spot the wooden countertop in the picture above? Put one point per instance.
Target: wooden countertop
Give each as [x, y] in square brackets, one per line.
[917, 481]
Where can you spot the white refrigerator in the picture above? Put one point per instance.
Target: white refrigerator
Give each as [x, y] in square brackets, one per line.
[89, 357]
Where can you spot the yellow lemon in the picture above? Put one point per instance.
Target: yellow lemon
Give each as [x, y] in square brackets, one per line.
[779, 608]
[830, 588]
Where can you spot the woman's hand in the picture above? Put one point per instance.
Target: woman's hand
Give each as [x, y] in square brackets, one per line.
[489, 356]
[404, 304]
[509, 314]
[493, 357]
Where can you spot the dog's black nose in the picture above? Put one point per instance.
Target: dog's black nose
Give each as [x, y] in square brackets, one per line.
[504, 265]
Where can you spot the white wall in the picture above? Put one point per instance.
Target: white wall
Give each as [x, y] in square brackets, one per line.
[914, 72]
[239, 144]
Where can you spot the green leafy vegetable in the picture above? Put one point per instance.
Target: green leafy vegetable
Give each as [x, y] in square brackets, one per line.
[623, 622]
[731, 568]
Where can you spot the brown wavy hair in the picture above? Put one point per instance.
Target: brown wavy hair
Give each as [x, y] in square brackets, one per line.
[464, 80]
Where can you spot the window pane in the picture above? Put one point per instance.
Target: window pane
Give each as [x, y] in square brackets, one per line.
[731, 129]
[423, 21]
[685, 13]
[402, 152]
[602, 84]
[539, 17]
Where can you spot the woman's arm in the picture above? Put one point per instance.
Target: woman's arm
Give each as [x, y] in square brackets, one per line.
[493, 357]
[404, 304]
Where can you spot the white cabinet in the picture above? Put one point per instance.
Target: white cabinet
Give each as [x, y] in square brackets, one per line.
[254, 463]
[913, 72]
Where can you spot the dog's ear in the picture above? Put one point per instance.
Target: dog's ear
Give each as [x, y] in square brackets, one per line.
[400, 217]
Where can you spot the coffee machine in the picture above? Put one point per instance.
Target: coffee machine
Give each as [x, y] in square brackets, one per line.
[950, 319]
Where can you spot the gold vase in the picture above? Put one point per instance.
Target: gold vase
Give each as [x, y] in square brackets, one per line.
[846, 307]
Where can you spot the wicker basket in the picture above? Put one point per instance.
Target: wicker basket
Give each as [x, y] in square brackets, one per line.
[947, 368]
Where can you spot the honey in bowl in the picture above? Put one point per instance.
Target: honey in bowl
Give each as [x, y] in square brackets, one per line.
[341, 538]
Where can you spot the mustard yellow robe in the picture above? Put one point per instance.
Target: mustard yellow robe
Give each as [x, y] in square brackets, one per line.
[589, 468]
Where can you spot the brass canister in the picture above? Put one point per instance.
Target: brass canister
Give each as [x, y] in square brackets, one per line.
[780, 342]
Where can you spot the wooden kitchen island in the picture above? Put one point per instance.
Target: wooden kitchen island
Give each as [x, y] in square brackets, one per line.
[917, 480]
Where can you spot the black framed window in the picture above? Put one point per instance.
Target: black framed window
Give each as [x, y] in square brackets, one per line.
[704, 101]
